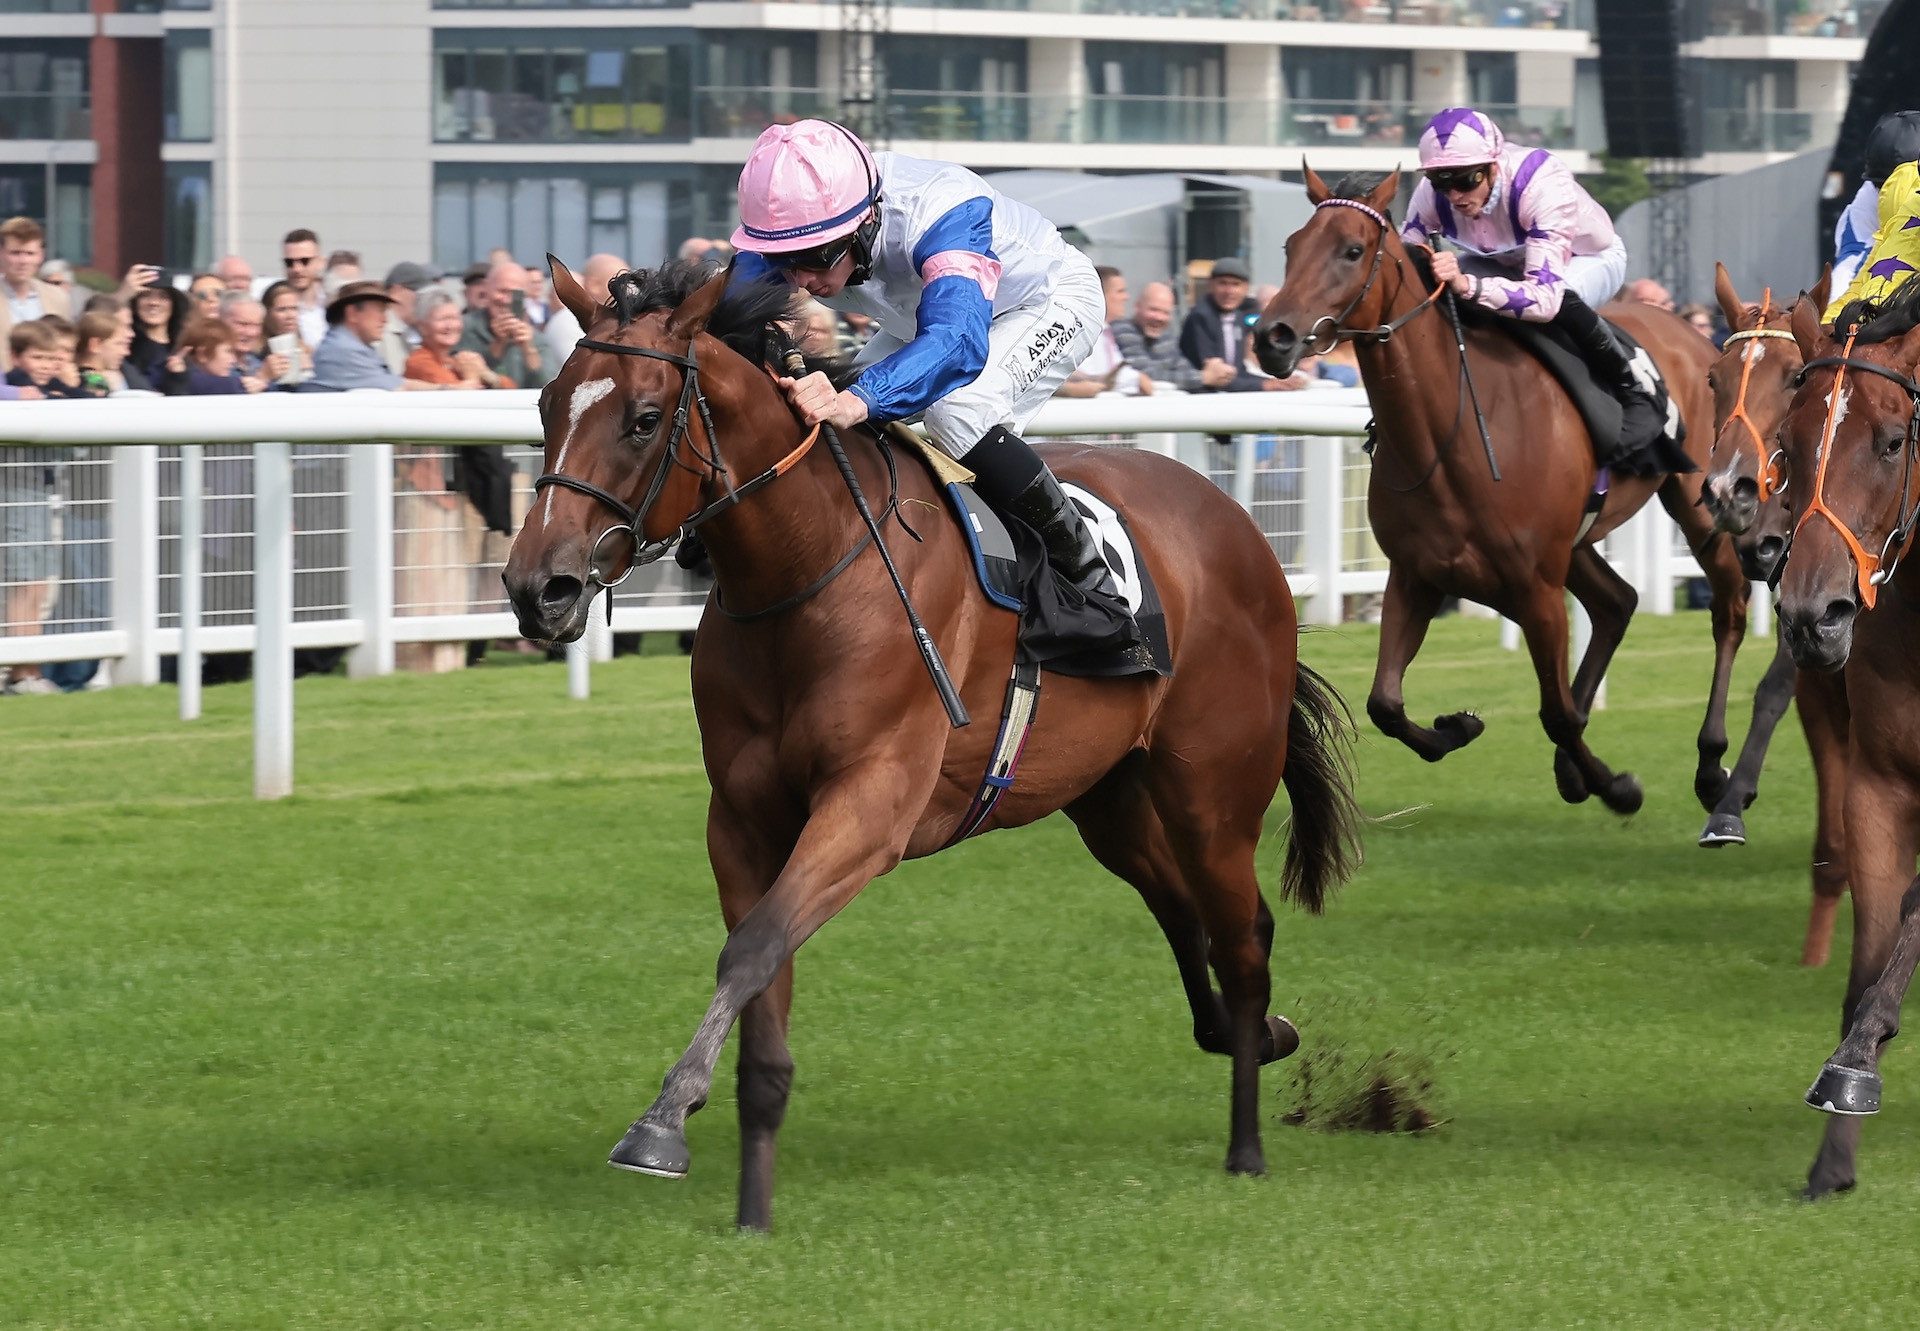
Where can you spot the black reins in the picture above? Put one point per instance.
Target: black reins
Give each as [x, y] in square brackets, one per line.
[1888, 560]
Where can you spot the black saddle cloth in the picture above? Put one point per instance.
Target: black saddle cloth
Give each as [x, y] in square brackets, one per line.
[1643, 437]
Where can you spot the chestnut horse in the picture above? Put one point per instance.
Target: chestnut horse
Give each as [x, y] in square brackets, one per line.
[830, 756]
[1848, 603]
[1753, 382]
[1448, 527]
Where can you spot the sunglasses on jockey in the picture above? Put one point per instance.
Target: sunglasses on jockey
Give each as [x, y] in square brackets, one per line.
[1458, 180]
[818, 259]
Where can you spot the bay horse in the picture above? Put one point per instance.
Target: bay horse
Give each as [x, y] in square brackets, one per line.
[1448, 527]
[830, 757]
[1848, 602]
[1753, 383]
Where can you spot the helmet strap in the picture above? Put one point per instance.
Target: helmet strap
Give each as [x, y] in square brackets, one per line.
[863, 239]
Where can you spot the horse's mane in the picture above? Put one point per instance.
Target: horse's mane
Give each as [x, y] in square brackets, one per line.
[1357, 185]
[1869, 323]
[750, 317]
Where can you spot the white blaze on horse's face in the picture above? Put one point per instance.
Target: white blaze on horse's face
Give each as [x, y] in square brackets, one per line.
[583, 397]
[1753, 351]
[1839, 407]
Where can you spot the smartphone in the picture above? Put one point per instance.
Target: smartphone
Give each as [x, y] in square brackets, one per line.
[518, 302]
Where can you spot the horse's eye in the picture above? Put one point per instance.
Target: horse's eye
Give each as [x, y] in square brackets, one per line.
[645, 424]
[1887, 443]
[1354, 252]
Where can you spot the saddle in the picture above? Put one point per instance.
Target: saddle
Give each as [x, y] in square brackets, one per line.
[1010, 562]
[1640, 438]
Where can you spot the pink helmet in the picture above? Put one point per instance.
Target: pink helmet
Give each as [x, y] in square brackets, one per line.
[804, 184]
[1460, 136]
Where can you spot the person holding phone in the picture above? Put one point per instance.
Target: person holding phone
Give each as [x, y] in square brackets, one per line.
[498, 330]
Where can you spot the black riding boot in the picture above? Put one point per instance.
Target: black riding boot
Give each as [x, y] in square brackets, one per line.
[1601, 349]
[1011, 477]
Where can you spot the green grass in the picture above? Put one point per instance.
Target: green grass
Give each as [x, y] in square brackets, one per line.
[355, 1059]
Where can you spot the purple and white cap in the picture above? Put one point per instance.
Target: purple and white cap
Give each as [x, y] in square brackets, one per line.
[1460, 136]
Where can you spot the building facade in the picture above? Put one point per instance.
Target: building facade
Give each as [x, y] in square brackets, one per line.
[444, 128]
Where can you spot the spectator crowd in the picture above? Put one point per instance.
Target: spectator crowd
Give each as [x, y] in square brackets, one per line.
[324, 325]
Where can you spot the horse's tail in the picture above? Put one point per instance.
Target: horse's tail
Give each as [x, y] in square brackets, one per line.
[1323, 846]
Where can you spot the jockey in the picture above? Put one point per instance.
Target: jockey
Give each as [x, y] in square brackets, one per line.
[1533, 244]
[982, 311]
[1893, 142]
[1873, 274]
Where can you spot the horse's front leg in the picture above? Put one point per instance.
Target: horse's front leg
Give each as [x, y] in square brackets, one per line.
[857, 829]
[1405, 612]
[1714, 552]
[1727, 825]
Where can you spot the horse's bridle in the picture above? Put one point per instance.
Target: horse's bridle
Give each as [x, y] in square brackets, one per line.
[1335, 324]
[1772, 475]
[633, 520]
[1870, 571]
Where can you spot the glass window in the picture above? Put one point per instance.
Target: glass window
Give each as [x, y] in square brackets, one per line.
[189, 220]
[43, 90]
[1493, 78]
[561, 86]
[1340, 75]
[69, 224]
[531, 210]
[188, 98]
[758, 60]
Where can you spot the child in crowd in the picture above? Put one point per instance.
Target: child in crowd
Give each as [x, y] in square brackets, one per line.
[42, 357]
[213, 359]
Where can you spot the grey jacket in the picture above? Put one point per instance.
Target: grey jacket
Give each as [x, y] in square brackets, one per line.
[1158, 358]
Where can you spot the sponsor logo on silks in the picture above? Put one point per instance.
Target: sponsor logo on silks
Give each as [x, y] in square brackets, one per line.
[1115, 546]
[1042, 349]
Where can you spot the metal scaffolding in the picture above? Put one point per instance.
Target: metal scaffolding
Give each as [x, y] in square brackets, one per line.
[863, 68]
[1668, 227]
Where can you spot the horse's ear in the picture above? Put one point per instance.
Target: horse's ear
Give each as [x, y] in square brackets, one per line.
[1822, 291]
[1381, 198]
[690, 319]
[572, 295]
[1806, 328]
[1317, 191]
[1730, 303]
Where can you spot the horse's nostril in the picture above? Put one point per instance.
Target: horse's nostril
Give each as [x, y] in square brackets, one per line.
[1839, 611]
[1746, 490]
[559, 593]
[1768, 550]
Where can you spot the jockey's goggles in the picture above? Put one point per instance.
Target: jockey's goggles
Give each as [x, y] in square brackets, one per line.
[818, 259]
[1458, 180]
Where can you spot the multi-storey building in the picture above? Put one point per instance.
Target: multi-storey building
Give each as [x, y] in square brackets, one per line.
[442, 128]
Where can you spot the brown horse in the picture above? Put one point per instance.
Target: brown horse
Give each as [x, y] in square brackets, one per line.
[1847, 602]
[1448, 527]
[1753, 382]
[830, 756]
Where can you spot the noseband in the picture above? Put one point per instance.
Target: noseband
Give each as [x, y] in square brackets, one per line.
[1335, 324]
[1871, 571]
[1772, 475]
[633, 520]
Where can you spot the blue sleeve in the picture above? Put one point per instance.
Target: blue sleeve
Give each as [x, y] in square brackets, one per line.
[949, 348]
[750, 267]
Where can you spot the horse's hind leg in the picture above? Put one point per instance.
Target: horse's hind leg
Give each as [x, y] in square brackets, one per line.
[1726, 826]
[1850, 1081]
[1715, 554]
[1120, 827]
[1609, 600]
[1824, 717]
[1543, 618]
[1405, 612]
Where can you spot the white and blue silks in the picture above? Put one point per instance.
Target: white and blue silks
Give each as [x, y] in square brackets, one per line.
[982, 310]
[1853, 235]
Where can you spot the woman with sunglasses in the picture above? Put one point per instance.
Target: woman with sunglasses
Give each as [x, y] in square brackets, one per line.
[981, 312]
[1532, 244]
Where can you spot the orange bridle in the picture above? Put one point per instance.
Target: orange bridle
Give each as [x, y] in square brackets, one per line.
[1870, 571]
[1771, 475]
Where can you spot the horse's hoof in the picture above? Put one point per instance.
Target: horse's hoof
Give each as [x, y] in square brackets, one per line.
[1623, 795]
[1567, 778]
[1283, 1039]
[1459, 729]
[650, 1149]
[1843, 1090]
[1709, 784]
[1724, 829]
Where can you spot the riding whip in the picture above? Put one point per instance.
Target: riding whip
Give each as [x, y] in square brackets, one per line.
[957, 714]
[1466, 375]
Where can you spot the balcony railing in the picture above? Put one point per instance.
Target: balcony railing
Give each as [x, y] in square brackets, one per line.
[1097, 118]
[1782, 18]
[1457, 13]
[45, 115]
[1742, 131]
